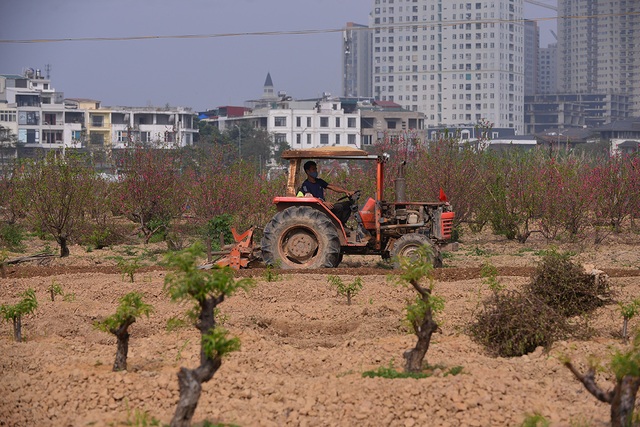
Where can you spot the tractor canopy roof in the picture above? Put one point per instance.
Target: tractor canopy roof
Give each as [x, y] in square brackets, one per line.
[328, 153]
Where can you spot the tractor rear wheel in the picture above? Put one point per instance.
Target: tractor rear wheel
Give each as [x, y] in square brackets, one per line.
[407, 246]
[301, 237]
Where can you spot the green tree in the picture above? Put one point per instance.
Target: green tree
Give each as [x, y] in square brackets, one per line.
[255, 145]
[56, 191]
[420, 314]
[207, 290]
[15, 312]
[347, 289]
[628, 312]
[8, 150]
[208, 133]
[131, 307]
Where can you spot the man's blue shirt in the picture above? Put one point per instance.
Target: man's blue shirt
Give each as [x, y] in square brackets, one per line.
[315, 188]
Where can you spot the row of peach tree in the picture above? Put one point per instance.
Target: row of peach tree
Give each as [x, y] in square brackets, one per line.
[511, 324]
[173, 193]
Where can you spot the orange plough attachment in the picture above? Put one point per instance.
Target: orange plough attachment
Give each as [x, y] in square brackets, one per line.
[240, 254]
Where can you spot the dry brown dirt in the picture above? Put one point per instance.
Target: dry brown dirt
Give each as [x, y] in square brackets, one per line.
[303, 348]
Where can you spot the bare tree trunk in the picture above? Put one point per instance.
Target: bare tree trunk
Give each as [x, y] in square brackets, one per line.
[64, 248]
[17, 328]
[423, 329]
[190, 380]
[190, 384]
[122, 334]
[190, 389]
[622, 398]
[625, 323]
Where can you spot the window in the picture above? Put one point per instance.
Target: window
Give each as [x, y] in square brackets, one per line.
[351, 139]
[28, 118]
[324, 122]
[97, 121]
[49, 119]
[298, 138]
[309, 138]
[308, 122]
[29, 136]
[280, 138]
[351, 122]
[7, 116]
[97, 138]
[52, 137]
[280, 121]
[122, 136]
[76, 135]
[145, 136]
[324, 138]
[337, 122]
[337, 139]
[298, 121]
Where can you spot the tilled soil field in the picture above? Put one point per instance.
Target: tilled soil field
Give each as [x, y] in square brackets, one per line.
[303, 348]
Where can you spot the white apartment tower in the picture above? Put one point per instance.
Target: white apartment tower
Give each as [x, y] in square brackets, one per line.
[356, 61]
[598, 48]
[458, 62]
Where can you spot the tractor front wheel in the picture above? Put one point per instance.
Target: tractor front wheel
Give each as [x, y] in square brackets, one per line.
[407, 245]
[301, 237]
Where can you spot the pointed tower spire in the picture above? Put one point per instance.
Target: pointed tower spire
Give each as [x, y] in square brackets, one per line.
[268, 81]
[268, 92]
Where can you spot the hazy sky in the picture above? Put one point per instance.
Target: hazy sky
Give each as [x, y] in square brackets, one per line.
[201, 73]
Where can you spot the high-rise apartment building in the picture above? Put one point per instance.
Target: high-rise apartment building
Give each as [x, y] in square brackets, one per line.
[356, 61]
[458, 62]
[531, 56]
[598, 48]
[547, 79]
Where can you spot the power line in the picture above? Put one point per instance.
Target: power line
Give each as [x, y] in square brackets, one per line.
[304, 32]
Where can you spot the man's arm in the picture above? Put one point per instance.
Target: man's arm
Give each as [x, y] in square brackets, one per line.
[339, 189]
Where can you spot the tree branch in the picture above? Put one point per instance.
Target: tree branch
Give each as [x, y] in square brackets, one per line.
[588, 380]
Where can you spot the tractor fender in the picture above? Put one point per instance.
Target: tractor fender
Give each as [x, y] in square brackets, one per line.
[283, 203]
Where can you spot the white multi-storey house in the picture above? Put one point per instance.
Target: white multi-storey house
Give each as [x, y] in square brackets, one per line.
[33, 110]
[41, 118]
[304, 123]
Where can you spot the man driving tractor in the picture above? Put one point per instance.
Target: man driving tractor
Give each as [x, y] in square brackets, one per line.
[315, 186]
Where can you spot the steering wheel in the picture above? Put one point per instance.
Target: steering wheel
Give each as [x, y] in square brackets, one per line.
[354, 197]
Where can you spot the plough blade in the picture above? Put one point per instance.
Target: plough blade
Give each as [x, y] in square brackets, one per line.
[241, 253]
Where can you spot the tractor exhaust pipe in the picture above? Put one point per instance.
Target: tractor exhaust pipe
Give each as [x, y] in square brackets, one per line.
[400, 184]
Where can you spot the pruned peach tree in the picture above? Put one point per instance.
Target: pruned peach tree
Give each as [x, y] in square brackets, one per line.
[131, 307]
[150, 192]
[420, 314]
[207, 289]
[56, 191]
[27, 305]
[626, 368]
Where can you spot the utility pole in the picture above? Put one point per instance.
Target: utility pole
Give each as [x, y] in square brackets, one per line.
[239, 142]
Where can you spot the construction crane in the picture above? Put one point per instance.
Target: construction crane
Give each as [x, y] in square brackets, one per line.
[541, 4]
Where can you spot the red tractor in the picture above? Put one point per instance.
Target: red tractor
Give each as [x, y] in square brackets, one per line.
[306, 234]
